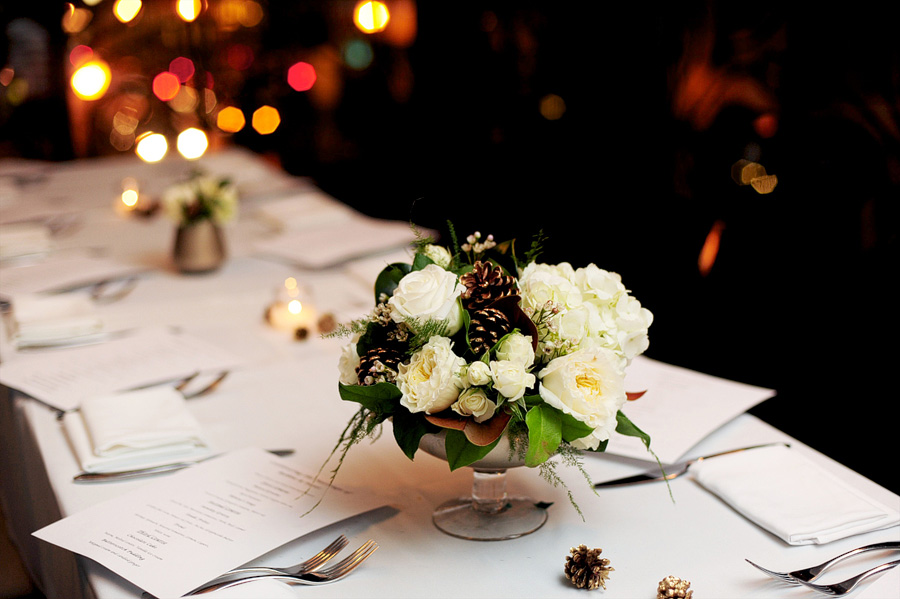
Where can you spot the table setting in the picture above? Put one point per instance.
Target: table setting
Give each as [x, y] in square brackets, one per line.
[450, 417]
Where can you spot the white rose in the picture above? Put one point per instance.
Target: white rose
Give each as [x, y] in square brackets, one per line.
[632, 321]
[431, 381]
[542, 283]
[589, 385]
[430, 293]
[474, 402]
[347, 364]
[511, 379]
[438, 254]
[478, 374]
[516, 348]
[598, 284]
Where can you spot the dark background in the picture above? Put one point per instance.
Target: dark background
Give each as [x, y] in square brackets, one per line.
[634, 175]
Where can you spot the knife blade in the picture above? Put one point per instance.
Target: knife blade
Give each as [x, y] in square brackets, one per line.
[675, 470]
[102, 477]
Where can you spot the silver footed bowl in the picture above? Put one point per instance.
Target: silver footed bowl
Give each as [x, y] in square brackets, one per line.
[498, 459]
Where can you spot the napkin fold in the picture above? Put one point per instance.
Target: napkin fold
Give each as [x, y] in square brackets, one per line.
[791, 496]
[136, 429]
[52, 319]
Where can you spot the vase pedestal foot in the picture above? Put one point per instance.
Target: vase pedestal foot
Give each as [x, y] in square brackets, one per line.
[518, 517]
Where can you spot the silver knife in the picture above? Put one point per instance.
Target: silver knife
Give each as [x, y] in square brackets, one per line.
[673, 471]
[102, 477]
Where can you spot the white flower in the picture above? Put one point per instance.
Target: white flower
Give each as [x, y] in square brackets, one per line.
[511, 379]
[348, 363]
[590, 386]
[599, 285]
[516, 348]
[543, 283]
[212, 197]
[478, 374]
[431, 381]
[438, 254]
[474, 402]
[430, 293]
[175, 198]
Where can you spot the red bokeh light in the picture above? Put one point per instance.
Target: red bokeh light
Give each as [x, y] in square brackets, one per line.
[183, 68]
[80, 54]
[166, 86]
[301, 76]
[239, 57]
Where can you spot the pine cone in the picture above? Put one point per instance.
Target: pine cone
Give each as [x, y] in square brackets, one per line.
[586, 569]
[378, 365]
[672, 587]
[485, 284]
[486, 328]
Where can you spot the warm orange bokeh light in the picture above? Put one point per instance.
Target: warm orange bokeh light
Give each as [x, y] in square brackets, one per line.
[192, 143]
[188, 10]
[151, 147]
[230, 119]
[710, 248]
[166, 86]
[301, 76]
[371, 16]
[265, 120]
[126, 10]
[91, 80]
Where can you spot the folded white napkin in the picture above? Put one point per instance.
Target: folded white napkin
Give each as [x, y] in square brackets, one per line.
[53, 318]
[24, 239]
[136, 429]
[304, 211]
[791, 496]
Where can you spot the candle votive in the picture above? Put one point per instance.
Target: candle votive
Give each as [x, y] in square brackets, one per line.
[293, 309]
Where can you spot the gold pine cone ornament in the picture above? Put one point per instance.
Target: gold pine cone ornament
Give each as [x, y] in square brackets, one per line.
[672, 587]
[586, 569]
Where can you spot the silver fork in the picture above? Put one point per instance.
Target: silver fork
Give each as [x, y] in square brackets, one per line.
[842, 588]
[812, 573]
[319, 577]
[310, 565]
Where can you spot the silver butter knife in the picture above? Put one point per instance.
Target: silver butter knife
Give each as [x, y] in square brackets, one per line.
[674, 471]
[103, 477]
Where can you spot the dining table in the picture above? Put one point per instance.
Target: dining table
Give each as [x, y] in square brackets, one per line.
[281, 392]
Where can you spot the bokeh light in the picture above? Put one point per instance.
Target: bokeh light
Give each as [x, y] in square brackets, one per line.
[358, 54]
[165, 86]
[552, 107]
[239, 57]
[230, 119]
[91, 80]
[186, 100]
[188, 10]
[126, 10]
[265, 120]
[182, 67]
[75, 20]
[192, 143]
[371, 17]
[151, 147]
[301, 76]
[80, 54]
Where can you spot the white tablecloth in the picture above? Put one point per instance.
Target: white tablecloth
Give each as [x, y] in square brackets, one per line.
[287, 398]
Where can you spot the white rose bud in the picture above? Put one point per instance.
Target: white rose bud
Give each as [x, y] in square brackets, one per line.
[431, 381]
[430, 293]
[516, 348]
[438, 254]
[348, 363]
[474, 402]
[478, 374]
[511, 379]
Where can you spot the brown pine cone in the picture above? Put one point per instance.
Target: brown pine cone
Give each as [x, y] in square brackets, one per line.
[586, 569]
[486, 328]
[378, 365]
[485, 284]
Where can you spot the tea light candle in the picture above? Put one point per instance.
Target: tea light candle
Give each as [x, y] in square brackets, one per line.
[132, 202]
[292, 309]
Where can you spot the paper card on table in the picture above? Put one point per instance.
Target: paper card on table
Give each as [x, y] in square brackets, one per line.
[322, 247]
[172, 535]
[679, 409]
[63, 378]
[62, 271]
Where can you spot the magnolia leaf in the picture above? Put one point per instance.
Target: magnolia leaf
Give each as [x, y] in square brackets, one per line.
[447, 419]
[408, 431]
[462, 453]
[486, 433]
[544, 434]
[624, 426]
[389, 278]
[633, 395]
[381, 398]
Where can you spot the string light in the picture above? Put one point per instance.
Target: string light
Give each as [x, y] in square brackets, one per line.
[126, 10]
[230, 119]
[265, 120]
[192, 143]
[188, 10]
[371, 17]
[151, 147]
[301, 76]
[91, 80]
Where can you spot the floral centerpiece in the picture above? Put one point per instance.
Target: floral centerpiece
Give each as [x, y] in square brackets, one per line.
[469, 340]
[199, 206]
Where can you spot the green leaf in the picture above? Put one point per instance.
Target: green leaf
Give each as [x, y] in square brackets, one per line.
[408, 431]
[624, 426]
[460, 452]
[573, 428]
[421, 261]
[544, 434]
[389, 278]
[381, 398]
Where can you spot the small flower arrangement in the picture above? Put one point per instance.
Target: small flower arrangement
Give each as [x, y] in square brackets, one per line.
[470, 340]
[199, 198]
